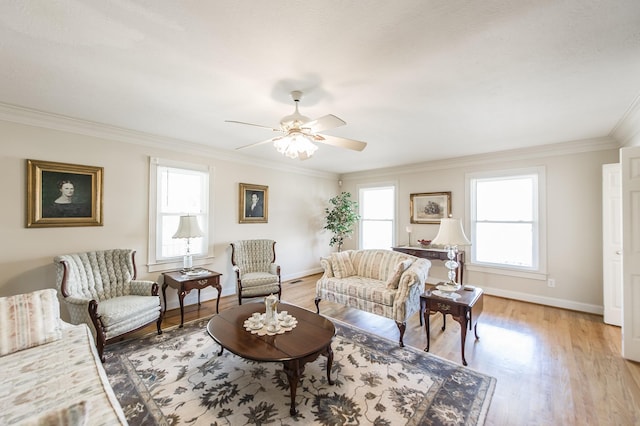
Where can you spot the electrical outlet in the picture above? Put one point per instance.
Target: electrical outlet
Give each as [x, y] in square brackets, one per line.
[551, 282]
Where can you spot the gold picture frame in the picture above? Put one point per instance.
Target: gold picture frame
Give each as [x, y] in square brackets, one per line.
[430, 207]
[61, 194]
[250, 209]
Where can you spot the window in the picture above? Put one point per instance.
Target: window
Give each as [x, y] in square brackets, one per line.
[176, 189]
[377, 217]
[506, 224]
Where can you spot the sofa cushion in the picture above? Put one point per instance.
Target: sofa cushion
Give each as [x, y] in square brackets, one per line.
[341, 265]
[394, 280]
[29, 320]
[361, 289]
[376, 264]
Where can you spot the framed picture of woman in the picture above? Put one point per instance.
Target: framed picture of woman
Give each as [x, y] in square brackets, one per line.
[60, 194]
[254, 203]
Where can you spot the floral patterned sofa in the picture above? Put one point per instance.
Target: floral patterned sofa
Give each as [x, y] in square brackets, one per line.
[50, 372]
[383, 282]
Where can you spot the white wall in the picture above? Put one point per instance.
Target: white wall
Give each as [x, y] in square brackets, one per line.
[296, 209]
[296, 205]
[574, 216]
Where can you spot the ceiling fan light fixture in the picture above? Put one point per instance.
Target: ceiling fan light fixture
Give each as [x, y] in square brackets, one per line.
[295, 145]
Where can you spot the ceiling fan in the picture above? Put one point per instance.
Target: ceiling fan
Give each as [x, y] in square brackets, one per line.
[300, 133]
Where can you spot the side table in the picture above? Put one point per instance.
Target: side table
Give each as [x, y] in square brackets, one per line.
[184, 283]
[466, 309]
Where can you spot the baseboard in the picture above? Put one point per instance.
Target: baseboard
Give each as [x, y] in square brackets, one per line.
[571, 305]
[547, 301]
[301, 274]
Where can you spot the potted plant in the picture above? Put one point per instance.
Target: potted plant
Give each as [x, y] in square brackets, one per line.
[341, 217]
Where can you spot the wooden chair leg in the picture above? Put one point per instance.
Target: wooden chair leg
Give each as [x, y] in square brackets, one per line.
[402, 326]
[97, 324]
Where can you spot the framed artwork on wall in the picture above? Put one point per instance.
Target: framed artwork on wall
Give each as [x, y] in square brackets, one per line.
[254, 203]
[60, 194]
[430, 207]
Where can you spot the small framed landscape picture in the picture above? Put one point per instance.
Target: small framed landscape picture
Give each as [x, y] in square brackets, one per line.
[60, 194]
[430, 207]
[254, 203]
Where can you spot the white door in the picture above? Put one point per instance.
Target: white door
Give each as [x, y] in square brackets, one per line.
[630, 172]
[612, 243]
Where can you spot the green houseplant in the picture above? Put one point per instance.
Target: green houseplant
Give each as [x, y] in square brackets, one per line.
[341, 216]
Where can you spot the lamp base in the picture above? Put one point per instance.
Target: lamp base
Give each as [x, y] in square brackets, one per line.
[449, 286]
[187, 263]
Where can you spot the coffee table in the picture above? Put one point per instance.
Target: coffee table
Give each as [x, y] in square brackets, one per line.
[310, 338]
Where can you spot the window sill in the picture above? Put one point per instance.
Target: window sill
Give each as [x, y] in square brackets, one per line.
[173, 265]
[541, 276]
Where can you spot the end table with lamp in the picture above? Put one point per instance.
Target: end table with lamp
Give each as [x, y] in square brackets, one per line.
[185, 281]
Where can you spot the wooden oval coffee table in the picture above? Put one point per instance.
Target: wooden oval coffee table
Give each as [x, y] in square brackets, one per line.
[309, 339]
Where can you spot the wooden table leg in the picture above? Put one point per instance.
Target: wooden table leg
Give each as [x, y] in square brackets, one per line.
[164, 294]
[181, 295]
[293, 370]
[428, 327]
[329, 355]
[463, 335]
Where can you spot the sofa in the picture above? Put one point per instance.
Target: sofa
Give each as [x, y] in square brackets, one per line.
[382, 282]
[50, 372]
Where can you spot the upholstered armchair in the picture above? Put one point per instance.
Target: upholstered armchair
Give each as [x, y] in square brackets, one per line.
[256, 271]
[99, 288]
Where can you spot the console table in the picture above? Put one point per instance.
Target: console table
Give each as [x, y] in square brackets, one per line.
[184, 283]
[434, 254]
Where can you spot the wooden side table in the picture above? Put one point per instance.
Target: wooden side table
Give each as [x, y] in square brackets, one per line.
[465, 309]
[184, 283]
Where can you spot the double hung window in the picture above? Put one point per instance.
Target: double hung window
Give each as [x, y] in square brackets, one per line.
[507, 223]
[377, 217]
[176, 189]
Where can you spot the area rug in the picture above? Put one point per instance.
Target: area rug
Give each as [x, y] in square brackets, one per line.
[178, 378]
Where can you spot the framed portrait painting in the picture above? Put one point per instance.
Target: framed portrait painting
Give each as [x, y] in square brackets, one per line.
[60, 194]
[254, 203]
[430, 207]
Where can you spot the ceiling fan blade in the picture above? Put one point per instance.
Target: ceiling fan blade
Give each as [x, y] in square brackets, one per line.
[251, 124]
[341, 142]
[257, 143]
[329, 121]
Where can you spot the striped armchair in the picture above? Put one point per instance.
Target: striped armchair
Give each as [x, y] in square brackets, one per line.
[257, 274]
[99, 288]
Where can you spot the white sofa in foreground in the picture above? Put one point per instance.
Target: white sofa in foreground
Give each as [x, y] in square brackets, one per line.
[383, 282]
[50, 372]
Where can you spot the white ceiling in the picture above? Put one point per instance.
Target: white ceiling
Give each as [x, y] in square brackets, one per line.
[418, 80]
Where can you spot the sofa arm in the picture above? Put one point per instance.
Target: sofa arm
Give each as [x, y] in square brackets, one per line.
[144, 288]
[411, 286]
[325, 263]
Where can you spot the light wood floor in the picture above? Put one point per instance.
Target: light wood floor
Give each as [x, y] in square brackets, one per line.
[553, 366]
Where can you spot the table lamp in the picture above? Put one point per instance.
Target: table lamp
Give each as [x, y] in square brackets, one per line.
[409, 229]
[188, 228]
[451, 235]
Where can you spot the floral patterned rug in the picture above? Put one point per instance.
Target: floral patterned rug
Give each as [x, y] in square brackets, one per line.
[178, 378]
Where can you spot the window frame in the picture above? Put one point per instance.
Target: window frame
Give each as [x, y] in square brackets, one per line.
[156, 262]
[537, 272]
[394, 220]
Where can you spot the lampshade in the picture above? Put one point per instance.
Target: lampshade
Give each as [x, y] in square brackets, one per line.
[188, 228]
[295, 144]
[451, 233]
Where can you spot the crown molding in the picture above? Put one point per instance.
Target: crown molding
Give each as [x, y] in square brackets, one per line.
[541, 151]
[35, 118]
[627, 131]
